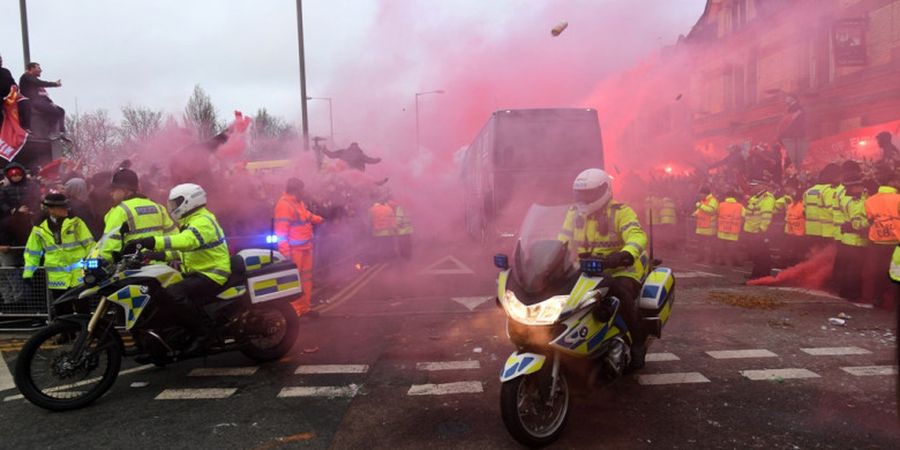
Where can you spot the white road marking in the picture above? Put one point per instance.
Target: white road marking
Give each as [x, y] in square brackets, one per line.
[319, 391]
[461, 269]
[223, 371]
[865, 371]
[734, 354]
[658, 357]
[82, 383]
[835, 351]
[696, 274]
[460, 387]
[6, 378]
[196, 394]
[672, 378]
[471, 302]
[351, 289]
[332, 368]
[775, 374]
[448, 365]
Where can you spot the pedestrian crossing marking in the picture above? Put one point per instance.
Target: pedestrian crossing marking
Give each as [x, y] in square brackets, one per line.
[459, 387]
[196, 394]
[735, 354]
[835, 351]
[6, 378]
[660, 357]
[697, 274]
[778, 374]
[319, 391]
[448, 265]
[470, 302]
[223, 371]
[672, 378]
[448, 365]
[331, 369]
[865, 371]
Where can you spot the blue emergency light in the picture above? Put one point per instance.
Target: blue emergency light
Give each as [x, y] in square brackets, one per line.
[272, 239]
[91, 264]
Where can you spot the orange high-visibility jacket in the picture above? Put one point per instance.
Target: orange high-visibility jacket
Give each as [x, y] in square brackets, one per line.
[882, 211]
[384, 220]
[294, 224]
[795, 219]
[731, 217]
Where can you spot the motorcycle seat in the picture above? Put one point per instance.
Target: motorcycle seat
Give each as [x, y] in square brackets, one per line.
[238, 272]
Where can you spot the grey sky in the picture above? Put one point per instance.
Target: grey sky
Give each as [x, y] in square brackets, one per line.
[244, 53]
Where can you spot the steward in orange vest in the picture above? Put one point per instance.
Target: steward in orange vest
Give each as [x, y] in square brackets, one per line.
[294, 228]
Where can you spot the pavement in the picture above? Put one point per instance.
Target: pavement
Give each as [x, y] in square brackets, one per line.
[407, 354]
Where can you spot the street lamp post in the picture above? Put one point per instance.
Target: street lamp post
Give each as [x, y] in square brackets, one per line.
[439, 91]
[304, 121]
[330, 116]
[26, 48]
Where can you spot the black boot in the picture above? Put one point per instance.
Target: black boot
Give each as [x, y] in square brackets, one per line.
[638, 354]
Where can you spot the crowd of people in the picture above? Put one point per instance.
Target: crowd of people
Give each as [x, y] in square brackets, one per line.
[759, 206]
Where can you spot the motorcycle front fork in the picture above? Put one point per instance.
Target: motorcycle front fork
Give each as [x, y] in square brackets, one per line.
[554, 377]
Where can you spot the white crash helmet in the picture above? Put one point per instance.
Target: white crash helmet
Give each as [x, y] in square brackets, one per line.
[185, 198]
[593, 191]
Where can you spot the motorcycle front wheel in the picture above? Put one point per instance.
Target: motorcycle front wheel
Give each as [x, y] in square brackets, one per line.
[52, 374]
[533, 415]
[282, 328]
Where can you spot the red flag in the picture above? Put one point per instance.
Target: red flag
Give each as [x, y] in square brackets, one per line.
[12, 135]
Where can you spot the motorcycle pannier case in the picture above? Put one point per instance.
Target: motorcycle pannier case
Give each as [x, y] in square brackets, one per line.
[657, 296]
[270, 276]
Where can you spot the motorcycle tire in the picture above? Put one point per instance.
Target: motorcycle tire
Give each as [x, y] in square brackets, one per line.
[29, 389]
[291, 331]
[509, 410]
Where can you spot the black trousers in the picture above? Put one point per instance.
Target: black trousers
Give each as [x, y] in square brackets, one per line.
[627, 291]
[53, 113]
[188, 297]
[848, 271]
[760, 254]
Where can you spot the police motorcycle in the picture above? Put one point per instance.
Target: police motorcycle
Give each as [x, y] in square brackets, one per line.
[77, 358]
[565, 326]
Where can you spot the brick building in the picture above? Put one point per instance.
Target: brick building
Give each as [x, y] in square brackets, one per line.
[822, 75]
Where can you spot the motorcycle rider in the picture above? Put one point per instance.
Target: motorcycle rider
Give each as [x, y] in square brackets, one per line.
[601, 227]
[204, 255]
[141, 216]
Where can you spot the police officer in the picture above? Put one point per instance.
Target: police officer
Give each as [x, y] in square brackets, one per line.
[204, 256]
[141, 217]
[598, 226]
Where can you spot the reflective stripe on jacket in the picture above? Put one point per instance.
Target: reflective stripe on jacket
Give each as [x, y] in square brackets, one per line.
[144, 218]
[895, 265]
[830, 208]
[759, 212]
[62, 255]
[667, 214]
[882, 212]
[614, 229]
[706, 212]
[813, 199]
[201, 244]
[731, 215]
[293, 224]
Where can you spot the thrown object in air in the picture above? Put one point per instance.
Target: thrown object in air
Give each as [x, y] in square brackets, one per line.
[559, 28]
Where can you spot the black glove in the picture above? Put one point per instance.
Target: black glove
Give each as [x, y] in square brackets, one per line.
[619, 259]
[847, 227]
[147, 243]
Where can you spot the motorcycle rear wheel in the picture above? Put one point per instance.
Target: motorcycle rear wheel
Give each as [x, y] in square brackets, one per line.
[276, 346]
[523, 393]
[51, 349]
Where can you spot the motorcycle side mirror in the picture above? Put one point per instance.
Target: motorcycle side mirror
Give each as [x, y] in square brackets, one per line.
[501, 261]
[591, 266]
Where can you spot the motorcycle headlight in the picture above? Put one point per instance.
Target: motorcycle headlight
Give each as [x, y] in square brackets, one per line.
[544, 313]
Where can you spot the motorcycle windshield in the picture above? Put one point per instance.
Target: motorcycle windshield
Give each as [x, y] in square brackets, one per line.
[542, 264]
[96, 250]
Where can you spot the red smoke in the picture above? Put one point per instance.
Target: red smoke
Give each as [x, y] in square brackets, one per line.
[814, 273]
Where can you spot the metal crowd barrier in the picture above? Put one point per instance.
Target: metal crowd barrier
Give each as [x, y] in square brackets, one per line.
[20, 299]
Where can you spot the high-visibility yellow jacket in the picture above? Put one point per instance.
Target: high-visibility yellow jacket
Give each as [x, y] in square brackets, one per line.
[667, 213]
[731, 215]
[653, 209]
[201, 244]
[613, 229]
[707, 210]
[853, 211]
[830, 208]
[895, 265]
[813, 200]
[404, 225]
[144, 219]
[62, 253]
[759, 213]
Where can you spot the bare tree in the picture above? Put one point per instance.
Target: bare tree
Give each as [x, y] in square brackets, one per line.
[201, 114]
[96, 139]
[139, 124]
[266, 125]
